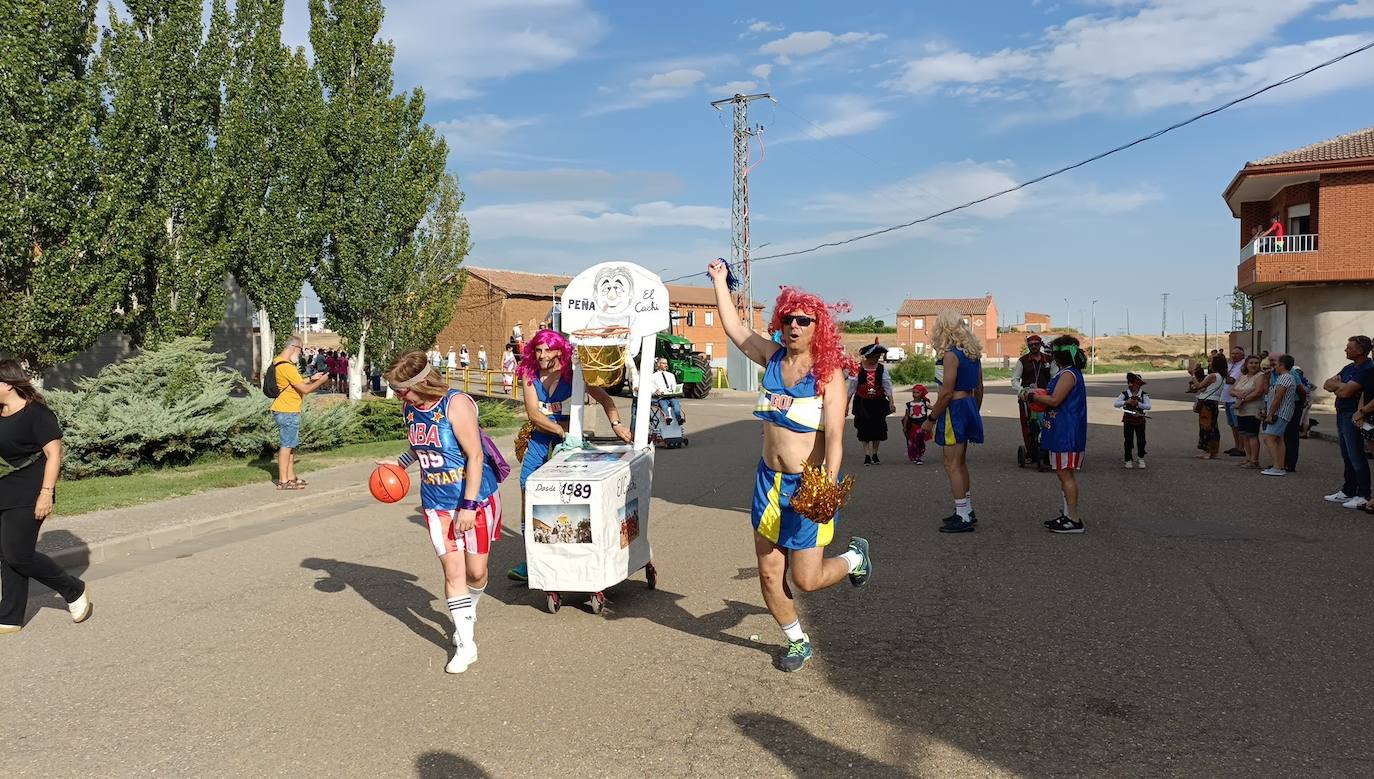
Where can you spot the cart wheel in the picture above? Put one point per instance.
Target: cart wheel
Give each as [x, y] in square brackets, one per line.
[651, 576]
[552, 602]
[685, 442]
[1021, 457]
[598, 602]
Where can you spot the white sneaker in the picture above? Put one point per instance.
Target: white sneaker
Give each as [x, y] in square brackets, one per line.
[1274, 472]
[81, 607]
[1338, 497]
[1140, 463]
[10, 629]
[1355, 502]
[1130, 464]
[463, 657]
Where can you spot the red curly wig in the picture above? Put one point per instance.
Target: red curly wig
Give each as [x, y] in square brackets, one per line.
[826, 352]
[529, 365]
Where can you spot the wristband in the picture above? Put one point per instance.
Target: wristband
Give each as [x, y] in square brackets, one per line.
[405, 459]
[469, 505]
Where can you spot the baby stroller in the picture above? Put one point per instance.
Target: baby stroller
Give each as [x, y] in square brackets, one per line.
[664, 429]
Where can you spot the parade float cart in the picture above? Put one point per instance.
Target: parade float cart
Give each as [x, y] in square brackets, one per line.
[587, 510]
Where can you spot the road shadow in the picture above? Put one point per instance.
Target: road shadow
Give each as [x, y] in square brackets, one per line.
[664, 608]
[75, 563]
[389, 591]
[806, 754]
[446, 765]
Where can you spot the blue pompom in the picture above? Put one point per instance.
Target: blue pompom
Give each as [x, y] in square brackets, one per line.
[731, 280]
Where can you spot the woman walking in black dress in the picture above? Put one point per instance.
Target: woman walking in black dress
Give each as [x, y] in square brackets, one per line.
[871, 393]
[31, 450]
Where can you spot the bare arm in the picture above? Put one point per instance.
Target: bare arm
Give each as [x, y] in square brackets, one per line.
[612, 413]
[463, 417]
[836, 398]
[758, 348]
[1067, 380]
[978, 393]
[951, 363]
[307, 387]
[52, 467]
[1277, 403]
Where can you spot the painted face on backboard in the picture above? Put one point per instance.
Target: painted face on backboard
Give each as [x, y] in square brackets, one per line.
[614, 290]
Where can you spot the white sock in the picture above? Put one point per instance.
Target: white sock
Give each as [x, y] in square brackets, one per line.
[963, 507]
[476, 593]
[463, 613]
[794, 631]
[1063, 504]
[1066, 508]
[852, 560]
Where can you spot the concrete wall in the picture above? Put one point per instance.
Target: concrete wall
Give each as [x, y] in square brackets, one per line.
[1320, 318]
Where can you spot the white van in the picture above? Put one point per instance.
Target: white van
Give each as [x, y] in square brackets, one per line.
[894, 354]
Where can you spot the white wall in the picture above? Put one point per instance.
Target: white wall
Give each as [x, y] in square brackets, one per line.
[1320, 318]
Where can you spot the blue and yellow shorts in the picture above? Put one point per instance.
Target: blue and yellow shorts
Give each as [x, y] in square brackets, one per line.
[960, 424]
[774, 518]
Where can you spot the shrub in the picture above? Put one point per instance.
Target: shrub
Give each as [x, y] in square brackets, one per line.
[1136, 349]
[915, 369]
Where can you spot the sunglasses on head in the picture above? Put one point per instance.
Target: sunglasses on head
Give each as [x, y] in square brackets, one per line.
[804, 321]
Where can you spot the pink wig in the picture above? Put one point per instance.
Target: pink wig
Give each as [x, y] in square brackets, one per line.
[529, 366]
[826, 352]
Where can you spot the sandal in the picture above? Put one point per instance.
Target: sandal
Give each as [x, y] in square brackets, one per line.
[301, 482]
[289, 485]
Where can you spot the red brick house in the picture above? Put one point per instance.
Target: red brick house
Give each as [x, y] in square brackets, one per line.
[916, 317]
[1312, 289]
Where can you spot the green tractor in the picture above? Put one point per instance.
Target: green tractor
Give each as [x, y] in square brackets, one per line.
[692, 369]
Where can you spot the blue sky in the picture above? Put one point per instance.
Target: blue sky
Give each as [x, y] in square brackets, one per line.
[581, 132]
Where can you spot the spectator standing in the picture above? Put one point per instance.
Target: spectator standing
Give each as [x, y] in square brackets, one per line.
[30, 445]
[1228, 400]
[1276, 230]
[1278, 412]
[342, 364]
[452, 361]
[508, 363]
[1134, 402]
[286, 409]
[1208, 390]
[1248, 391]
[1292, 435]
[481, 357]
[321, 362]
[331, 364]
[1347, 386]
[463, 359]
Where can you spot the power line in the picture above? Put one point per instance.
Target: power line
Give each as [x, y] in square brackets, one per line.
[1151, 136]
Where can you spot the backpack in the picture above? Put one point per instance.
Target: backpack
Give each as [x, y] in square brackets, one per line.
[269, 380]
[491, 454]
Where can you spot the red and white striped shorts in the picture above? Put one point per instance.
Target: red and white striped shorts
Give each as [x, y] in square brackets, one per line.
[446, 539]
[1067, 461]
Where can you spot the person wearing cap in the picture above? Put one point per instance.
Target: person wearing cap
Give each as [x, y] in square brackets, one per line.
[1134, 402]
[870, 394]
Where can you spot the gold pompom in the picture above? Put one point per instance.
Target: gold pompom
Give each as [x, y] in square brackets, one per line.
[817, 497]
[522, 440]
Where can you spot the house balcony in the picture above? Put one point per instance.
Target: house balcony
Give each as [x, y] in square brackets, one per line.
[1269, 262]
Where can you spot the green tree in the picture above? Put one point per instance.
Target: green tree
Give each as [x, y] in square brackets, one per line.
[59, 289]
[160, 204]
[434, 281]
[268, 165]
[382, 166]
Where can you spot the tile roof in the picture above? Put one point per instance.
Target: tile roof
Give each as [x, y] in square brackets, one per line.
[541, 285]
[1345, 147]
[936, 305]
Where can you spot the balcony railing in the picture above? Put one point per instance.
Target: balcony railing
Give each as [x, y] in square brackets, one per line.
[1270, 244]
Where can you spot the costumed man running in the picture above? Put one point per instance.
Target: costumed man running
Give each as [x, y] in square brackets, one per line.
[1032, 371]
[802, 399]
[545, 375]
[459, 491]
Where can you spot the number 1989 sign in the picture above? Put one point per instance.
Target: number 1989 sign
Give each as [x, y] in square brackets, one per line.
[568, 491]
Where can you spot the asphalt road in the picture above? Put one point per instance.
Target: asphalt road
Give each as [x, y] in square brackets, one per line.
[1210, 622]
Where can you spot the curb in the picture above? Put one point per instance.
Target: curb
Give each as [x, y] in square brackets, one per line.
[123, 546]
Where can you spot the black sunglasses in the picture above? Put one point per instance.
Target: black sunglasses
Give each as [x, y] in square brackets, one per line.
[804, 321]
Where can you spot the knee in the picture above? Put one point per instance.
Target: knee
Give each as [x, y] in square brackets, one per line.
[807, 581]
[770, 576]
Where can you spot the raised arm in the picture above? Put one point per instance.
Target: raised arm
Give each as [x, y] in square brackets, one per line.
[758, 348]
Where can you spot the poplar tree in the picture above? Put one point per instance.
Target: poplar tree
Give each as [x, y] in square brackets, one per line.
[269, 166]
[160, 204]
[59, 289]
[382, 166]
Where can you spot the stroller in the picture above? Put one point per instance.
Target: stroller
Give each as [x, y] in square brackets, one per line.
[664, 429]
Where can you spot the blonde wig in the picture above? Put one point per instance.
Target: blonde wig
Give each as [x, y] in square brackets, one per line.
[950, 332]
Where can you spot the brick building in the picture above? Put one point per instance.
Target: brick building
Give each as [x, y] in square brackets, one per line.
[1033, 322]
[1312, 289]
[495, 301]
[916, 317]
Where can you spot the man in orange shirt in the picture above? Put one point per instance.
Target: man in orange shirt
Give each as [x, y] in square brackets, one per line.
[286, 409]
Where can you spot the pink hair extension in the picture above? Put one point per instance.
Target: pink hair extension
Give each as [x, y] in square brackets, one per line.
[529, 366]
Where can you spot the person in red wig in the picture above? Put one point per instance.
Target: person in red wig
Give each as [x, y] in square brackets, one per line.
[803, 399]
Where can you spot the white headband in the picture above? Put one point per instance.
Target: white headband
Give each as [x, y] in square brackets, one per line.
[413, 380]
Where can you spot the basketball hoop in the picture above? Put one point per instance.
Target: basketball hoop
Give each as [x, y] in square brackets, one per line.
[601, 351]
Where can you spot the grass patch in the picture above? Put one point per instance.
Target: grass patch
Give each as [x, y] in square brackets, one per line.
[101, 493]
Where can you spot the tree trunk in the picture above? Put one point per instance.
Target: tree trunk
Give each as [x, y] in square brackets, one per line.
[356, 367]
[267, 347]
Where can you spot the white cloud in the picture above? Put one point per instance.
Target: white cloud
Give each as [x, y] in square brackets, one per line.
[673, 79]
[1360, 9]
[762, 26]
[934, 190]
[841, 115]
[800, 44]
[480, 133]
[959, 67]
[762, 71]
[568, 182]
[588, 221]
[733, 88]
[659, 86]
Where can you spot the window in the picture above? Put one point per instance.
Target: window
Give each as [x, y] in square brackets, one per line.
[691, 318]
[964, 320]
[710, 320]
[1300, 219]
[709, 345]
[918, 323]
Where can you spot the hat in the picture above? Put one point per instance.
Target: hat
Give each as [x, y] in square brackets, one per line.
[872, 349]
[1133, 378]
[1034, 338]
[919, 389]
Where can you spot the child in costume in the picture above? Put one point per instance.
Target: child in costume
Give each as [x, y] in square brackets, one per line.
[1064, 433]
[459, 490]
[917, 411]
[1134, 402]
[955, 419]
[802, 400]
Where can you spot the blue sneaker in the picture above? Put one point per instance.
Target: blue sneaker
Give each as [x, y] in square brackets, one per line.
[859, 576]
[798, 652]
[520, 573]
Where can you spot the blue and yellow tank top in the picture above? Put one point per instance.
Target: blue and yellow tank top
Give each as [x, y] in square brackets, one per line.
[970, 370]
[1065, 429]
[441, 458]
[796, 408]
[551, 404]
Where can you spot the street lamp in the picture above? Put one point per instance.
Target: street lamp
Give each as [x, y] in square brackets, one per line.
[1216, 313]
[1093, 360]
[1068, 319]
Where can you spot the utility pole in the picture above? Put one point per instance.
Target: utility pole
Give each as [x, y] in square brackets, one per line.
[1164, 321]
[1128, 320]
[740, 369]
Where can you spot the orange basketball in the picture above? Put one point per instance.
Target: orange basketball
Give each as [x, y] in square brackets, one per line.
[389, 483]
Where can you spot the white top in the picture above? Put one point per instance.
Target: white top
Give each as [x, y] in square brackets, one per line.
[1212, 391]
[665, 383]
[452, 359]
